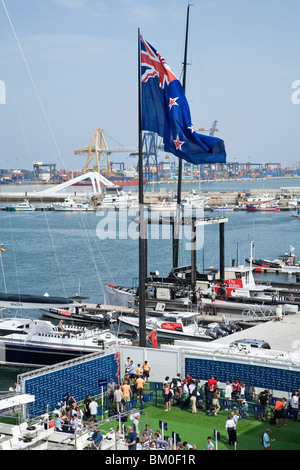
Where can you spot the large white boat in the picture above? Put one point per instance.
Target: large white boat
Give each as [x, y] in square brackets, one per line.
[37, 343]
[195, 200]
[118, 199]
[178, 325]
[69, 205]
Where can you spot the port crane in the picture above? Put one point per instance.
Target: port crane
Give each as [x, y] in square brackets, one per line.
[98, 150]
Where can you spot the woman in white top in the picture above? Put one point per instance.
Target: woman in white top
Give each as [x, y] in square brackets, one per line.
[230, 427]
[228, 392]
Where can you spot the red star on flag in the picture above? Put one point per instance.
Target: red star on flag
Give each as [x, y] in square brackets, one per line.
[178, 143]
[173, 102]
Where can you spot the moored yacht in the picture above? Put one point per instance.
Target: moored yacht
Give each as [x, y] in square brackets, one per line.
[37, 343]
[176, 325]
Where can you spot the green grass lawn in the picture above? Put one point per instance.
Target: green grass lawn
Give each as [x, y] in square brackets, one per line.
[195, 428]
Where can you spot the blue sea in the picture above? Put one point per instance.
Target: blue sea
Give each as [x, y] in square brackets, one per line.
[59, 253]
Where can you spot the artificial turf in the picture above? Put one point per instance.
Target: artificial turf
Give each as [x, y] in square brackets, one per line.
[195, 428]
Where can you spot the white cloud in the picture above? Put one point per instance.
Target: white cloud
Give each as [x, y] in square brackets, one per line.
[73, 4]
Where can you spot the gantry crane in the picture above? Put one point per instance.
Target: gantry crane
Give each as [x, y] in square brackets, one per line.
[98, 149]
[212, 130]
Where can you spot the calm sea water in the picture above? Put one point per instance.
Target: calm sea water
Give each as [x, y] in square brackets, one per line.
[56, 252]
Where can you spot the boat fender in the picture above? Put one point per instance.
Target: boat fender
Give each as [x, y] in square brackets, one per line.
[106, 317]
[107, 335]
[222, 293]
[212, 334]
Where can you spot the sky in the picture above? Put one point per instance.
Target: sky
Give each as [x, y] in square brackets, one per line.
[70, 67]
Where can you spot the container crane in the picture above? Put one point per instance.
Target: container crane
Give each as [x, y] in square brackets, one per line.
[97, 150]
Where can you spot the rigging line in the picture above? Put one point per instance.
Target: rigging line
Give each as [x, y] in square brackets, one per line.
[92, 253]
[14, 252]
[55, 254]
[33, 83]
[3, 274]
[102, 256]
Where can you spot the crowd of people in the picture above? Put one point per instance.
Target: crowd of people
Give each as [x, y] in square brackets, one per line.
[183, 391]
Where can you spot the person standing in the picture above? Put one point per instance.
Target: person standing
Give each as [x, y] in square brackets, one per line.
[126, 389]
[284, 412]
[228, 392]
[111, 387]
[263, 400]
[266, 439]
[278, 412]
[93, 406]
[118, 396]
[295, 405]
[139, 386]
[146, 370]
[215, 401]
[86, 404]
[230, 427]
[167, 397]
[193, 398]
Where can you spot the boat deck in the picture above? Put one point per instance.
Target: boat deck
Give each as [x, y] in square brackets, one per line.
[282, 334]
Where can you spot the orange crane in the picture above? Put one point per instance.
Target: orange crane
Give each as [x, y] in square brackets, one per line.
[97, 150]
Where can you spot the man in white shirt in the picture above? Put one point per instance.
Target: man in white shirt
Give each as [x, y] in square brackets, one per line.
[295, 405]
[93, 406]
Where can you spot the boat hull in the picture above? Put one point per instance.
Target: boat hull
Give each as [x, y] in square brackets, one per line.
[37, 356]
[262, 209]
[164, 333]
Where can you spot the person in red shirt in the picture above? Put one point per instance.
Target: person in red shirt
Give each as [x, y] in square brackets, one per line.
[188, 379]
[212, 383]
[236, 389]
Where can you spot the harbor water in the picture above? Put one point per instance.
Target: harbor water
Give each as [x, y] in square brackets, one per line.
[59, 253]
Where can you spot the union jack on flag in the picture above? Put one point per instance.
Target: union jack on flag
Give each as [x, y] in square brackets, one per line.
[165, 110]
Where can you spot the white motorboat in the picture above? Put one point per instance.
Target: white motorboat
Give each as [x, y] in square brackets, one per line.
[69, 205]
[176, 325]
[162, 206]
[195, 200]
[118, 199]
[24, 206]
[34, 342]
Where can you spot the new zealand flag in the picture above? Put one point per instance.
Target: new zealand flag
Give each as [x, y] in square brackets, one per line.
[165, 110]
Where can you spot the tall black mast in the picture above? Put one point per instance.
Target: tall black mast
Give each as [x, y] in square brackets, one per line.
[177, 221]
[142, 225]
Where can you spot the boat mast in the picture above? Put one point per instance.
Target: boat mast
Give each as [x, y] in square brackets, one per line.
[177, 221]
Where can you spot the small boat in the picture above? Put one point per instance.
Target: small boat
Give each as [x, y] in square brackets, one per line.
[38, 343]
[69, 205]
[225, 208]
[284, 263]
[262, 208]
[85, 314]
[24, 206]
